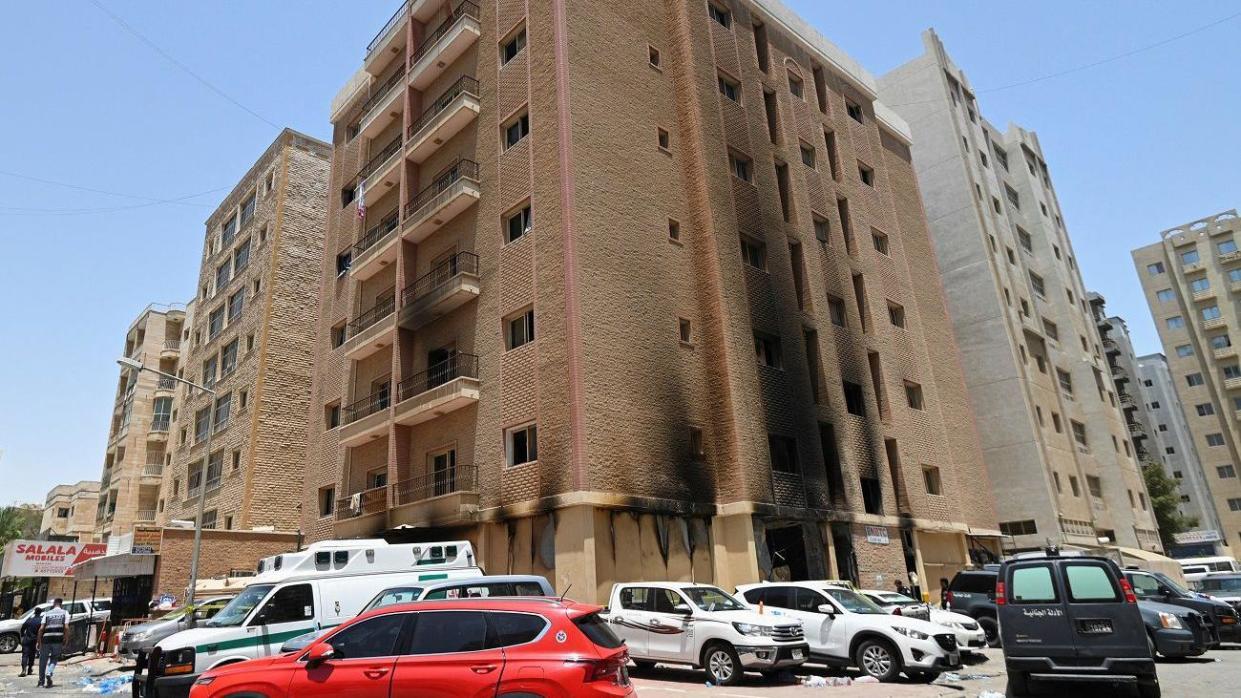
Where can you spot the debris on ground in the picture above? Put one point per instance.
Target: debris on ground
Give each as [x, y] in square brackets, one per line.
[990, 694]
[824, 681]
[957, 677]
[107, 687]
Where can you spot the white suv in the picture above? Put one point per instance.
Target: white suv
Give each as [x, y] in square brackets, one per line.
[845, 628]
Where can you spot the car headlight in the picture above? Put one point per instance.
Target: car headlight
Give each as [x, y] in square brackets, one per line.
[204, 681]
[139, 637]
[1168, 620]
[911, 633]
[179, 661]
[752, 629]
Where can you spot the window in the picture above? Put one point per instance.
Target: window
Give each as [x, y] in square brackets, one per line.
[913, 395]
[509, 49]
[339, 334]
[256, 287]
[896, 314]
[1065, 380]
[730, 88]
[1000, 156]
[228, 358]
[516, 130]
[521, 329]
[783, 453]
[1225, 471]
[1051, 330]
[1175, 322]
[1226, 247]
[652, 56]
[853, 109]
[833, 160]
[797, 263]
[1079, 432]
[1019, 528]
[767, 350]
[1232, 372]
[836, 310]
[1234, 276]
[866, 174]
[663, 138]
[1023, 238]
[1211, 313]
[1234, 504]
[855, 401]
[722, 17]
[1090, 582]
[674, 230]
[1205, 409]
[880, 241]
[1184, 350]
[247, 209]
[797, 90]
[807, 155]
[222, 275]
[209, 519]
[1196, 286]
[995, 204]
[331, 415]
[739, 165]
[512, 628]
[1037, 282]
[1094, 486]
[872, 495]
[686, 330]
[223, 405]
[695, 442]
[1012, 196]
[518, 224]
[371, 638]
[241, 258]
[1215, 439]
[931, 478]
[1074, 486]
[822, 229]
[228, 231]
[288, 605]
[236, 303]
[1189, 257]
[1154, 269]
[522, 444]
[243, 398]
[753, 253]
[209, 372]
[772, 112]
[215, 323]
[343, 261]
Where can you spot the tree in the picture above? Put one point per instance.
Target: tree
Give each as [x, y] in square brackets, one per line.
[1166, 504]
[19, 521]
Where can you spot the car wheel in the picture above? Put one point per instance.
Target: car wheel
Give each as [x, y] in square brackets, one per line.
[722, 664]
[643, 664]
[1018, 684]
[991, 629]
[8, 643]
[878, 658]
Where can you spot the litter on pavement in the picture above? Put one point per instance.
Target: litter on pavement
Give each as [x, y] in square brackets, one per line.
[107, 687]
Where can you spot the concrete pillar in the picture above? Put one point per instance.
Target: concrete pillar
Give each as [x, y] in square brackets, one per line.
[736, 555]
[575, 553]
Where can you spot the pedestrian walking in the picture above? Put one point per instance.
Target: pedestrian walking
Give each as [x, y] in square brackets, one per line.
[30, 639]
[51, 641]
[943, 593]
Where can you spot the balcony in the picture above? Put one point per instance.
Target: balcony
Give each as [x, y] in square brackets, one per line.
[144, 516]
[447, 115]
[155, 470]
[1213, 323]
[435, 499]
[1225, 352]
[388, 44]
[384, 105]
[1229, 257]
[366, 419]
[1235, 287]
[381, 172]
[1127, 400]
[1204, 294]
[376, 248]
[372, 330]
[1136, 430]
[1188, 268]
[445, 44]
[171, 349]
[1232, 383]
[451, 192]
[165, 385]
[444, 387]
[1119, 374]
[451, 284]
[1110, 346]
[361, 513]
[159, 429]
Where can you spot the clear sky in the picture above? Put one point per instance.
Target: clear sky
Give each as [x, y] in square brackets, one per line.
[1135, 146]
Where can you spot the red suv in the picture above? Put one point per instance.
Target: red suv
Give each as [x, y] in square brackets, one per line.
[435, 649]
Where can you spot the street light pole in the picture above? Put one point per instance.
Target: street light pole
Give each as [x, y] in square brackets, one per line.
[137, 366]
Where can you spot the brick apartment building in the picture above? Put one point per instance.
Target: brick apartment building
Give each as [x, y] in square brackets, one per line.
[248, 340]
[640, 292]
[69, 512]
[1190, 277]
[1053, 434]
[137, 449]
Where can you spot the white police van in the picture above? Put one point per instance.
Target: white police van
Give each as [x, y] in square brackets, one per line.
[294, 593]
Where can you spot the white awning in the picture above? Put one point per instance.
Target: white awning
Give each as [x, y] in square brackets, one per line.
[117, 565]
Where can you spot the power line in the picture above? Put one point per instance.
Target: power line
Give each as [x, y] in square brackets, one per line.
[32, 211]
[186, 69]
[67, 185]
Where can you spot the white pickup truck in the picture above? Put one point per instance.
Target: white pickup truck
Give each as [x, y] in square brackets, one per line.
[701, 625]
[847, 629]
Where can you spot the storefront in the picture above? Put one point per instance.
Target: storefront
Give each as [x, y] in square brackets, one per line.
[34, 571]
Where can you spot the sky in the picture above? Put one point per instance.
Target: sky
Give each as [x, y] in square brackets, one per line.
[161, 116]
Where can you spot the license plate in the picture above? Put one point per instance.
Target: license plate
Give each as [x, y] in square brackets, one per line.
[1095, 627]
[954, 658]
[798, 654]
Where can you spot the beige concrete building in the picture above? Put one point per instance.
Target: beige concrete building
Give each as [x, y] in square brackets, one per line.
[1054, 438]
[69, 512]
[639, 293]
[1189, 278]
[249, 342]
[138, 439]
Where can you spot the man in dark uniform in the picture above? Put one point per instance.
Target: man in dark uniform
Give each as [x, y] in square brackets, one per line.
[30, 640]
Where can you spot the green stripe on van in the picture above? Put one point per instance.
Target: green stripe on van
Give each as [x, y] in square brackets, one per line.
[431, 577]
[252, 640]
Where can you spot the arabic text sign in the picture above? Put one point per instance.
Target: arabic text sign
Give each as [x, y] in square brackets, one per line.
[42, 558]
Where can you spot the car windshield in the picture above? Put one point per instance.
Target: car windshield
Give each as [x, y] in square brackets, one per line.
[175, 613]
[854, 602]
[1177, 589]
[899, 600]
[237, 609]
[1221, 584]
[712, 599]
[387, 597]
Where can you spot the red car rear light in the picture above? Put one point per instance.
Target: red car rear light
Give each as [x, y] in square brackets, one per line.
[999, 594]
[609, 670]
[1125, 587]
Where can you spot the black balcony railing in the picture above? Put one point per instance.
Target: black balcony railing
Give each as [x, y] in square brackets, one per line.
[459, 170]
[457, 365]
[380, 158]
[382, 309]
[465, 86]
[440, 275]
[387, 28]
[465, 9]
[381, 92]
[457, 478]
[369, 405]
[375, 234]
[165, 383]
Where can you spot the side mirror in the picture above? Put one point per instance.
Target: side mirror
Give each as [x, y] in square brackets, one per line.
[826, 608]
[1165, 591]
[683, 609]
[319, 654]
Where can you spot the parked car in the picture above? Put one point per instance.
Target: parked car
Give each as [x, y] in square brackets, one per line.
[436, 649]
[137, 641]
[844, 628]
[477, 587]
[972, 593]
[1195, 568]
[1176, 631]
[898, 604]
[970, 635]
[1154, 586]
[702, 626]
[1224, 586]
[10, 630]
[1071, 618]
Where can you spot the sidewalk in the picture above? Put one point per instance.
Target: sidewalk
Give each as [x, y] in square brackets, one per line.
[69, 675]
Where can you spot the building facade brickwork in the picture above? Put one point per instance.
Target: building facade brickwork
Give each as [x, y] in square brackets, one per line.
[69, 512]
[639, 292]
[1054, 438]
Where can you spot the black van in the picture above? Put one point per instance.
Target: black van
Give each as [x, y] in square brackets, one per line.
[1071, 618]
